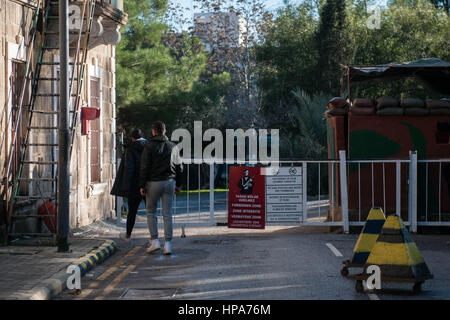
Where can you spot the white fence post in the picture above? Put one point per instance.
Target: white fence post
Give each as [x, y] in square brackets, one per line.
[412, 215]
[304, 190]
[344, 196]
[211, 193]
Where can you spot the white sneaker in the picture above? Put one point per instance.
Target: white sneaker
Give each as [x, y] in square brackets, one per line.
[123, 236]
[155, 245]
[168, 248]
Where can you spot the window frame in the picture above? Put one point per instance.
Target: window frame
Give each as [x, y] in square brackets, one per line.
[94, 71]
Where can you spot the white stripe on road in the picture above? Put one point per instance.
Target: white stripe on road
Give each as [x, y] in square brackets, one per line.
[334, 250]
[373, 296]
[337, 253]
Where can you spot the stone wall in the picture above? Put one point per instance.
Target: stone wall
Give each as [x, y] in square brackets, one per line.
[91, 202]
[88, 202]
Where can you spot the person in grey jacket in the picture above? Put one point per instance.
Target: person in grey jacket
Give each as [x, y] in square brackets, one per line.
[160, 178]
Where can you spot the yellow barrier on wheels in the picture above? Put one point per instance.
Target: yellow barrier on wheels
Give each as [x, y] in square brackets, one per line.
[366, 240]
[397, 256]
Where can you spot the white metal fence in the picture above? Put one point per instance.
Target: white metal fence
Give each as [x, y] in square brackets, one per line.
[434, 184]
[336, 192]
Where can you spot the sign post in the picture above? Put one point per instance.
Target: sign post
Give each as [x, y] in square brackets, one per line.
[256, 199]
[284, 195]
[246, 205]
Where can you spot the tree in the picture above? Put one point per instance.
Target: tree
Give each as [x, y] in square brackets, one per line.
[331, 44]
[293, 54]
[286, 57]
[229, 30]
[439, 4]
[157, 69]
[407, 32]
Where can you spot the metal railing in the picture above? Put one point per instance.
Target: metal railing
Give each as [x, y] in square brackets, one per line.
[434, 183]
[336, 192]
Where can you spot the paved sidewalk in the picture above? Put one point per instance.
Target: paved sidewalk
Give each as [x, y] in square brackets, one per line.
[39, 272]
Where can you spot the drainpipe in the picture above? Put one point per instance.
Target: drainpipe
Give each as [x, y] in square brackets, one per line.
[63, 220]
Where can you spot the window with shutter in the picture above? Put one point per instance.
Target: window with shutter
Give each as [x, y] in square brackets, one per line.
[95, 134]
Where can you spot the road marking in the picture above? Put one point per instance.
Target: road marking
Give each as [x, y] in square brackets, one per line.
[232, 292]
[334, 250]
[107, 273]
[120, 262]
[373, 296]
[120, 277]
[83, 294]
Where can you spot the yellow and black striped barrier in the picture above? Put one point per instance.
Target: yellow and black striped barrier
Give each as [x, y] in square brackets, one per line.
[366, 240]
[96, 256]
[397, 255]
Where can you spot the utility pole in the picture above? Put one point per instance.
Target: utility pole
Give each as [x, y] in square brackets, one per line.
[64, 133]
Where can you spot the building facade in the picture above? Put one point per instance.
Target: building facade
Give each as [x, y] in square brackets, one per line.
[220, 29]
[22, 59]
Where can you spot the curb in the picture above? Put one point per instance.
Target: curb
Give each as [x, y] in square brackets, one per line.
[58, 283]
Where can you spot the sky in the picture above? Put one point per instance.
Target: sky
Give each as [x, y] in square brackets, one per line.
[271, 5]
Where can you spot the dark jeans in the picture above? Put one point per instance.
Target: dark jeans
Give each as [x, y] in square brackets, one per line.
[133, 205]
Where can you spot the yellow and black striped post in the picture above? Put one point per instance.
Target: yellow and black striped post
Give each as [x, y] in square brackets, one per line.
[366, 240]
[397, 255]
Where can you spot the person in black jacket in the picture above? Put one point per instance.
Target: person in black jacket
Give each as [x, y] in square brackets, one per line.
[160, 178]
[131, 179]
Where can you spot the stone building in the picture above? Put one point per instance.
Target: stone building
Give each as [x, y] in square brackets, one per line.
[93, 151]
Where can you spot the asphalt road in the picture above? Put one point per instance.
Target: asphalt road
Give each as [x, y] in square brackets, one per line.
[278, 263]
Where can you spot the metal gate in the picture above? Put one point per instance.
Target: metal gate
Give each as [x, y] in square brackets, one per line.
[337, 192]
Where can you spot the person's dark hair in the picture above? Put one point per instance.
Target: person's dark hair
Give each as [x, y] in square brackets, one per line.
[159, 127]
[137, 134]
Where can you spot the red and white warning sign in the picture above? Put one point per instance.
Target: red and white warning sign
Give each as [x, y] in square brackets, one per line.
[246, 200]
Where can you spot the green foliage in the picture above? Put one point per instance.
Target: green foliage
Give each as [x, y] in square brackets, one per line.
[331, 43]
[301, 49]
[304, 133]
[158, 70]
[407, 33]
[287, 57]
[312, 125]
[205, 102]
[169, 76]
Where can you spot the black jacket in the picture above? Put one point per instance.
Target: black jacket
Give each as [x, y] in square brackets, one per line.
[159, 163]
[118, 186]
[127, 180]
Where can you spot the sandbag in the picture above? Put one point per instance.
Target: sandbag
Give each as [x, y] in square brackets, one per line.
[440, 112]
[387, 102]
[416, 112]
[362, 111]
[437, 104]
[336, 112]
[412, 103]
[390, 112]
[337, 102]
[364, 103]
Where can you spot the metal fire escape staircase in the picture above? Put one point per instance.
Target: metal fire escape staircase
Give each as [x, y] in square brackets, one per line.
[40, 120]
